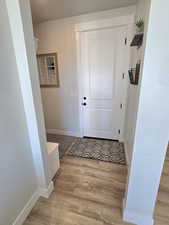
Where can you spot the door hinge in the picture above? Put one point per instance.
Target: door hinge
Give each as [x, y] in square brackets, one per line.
[123, 75]
[125, 41]
[121, 106]
[119, 131]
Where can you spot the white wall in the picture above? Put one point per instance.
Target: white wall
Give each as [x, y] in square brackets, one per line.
[24, 46]
[152, 130]
[142, 10]
[17, 173]
[61, 104]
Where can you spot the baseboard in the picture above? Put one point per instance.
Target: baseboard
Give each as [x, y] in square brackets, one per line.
[46, 192]
[64, 132]
[27, 209]
[131, 216]
[40, 192]
[126, 154]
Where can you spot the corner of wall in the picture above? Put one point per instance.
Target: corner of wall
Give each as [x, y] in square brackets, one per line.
[40, 192]
[27, 209]
[46, 192]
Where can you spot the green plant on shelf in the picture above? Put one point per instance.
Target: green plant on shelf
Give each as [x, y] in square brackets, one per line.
[140, 26]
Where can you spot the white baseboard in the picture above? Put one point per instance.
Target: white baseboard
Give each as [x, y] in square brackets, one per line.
[40, 192]
[64, 132]
[27, 209]
[46, 192]
[126, 150]
[131, 216]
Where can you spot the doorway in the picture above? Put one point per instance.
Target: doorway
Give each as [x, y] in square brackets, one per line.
[102, 81]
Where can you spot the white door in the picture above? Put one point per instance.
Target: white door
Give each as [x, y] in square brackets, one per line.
[102, 62]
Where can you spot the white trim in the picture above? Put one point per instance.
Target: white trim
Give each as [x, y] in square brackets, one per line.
[79, 72]
[126, 21]
[106, 23]
[43, 192]
[64, 132]
[40, 192]
[136, 217]
[126, 150]
[27, 209]
[31, 203]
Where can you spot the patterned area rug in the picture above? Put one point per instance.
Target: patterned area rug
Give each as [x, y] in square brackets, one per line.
[104, 150]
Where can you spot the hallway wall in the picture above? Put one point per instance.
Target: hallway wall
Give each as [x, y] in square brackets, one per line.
[17, 173]
[142, 10]
[61, 104]
[151, 133]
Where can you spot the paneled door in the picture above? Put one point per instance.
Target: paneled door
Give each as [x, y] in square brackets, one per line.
[102, 64]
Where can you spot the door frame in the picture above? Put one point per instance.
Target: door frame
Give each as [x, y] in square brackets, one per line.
[121, 21]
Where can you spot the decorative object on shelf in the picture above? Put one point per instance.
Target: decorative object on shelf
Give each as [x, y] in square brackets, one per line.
[138, 38]
[134, 74]
[48, 70]
[140, 26]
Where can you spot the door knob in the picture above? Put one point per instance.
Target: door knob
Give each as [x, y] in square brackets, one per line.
[84, 104]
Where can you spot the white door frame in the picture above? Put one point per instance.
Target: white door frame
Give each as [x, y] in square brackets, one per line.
[124, 21]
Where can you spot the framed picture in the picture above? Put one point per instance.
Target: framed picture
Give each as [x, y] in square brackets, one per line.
[48, 70]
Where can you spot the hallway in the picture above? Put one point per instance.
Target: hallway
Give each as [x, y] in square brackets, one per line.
[91, 192]
[119, 51]
[86, 192]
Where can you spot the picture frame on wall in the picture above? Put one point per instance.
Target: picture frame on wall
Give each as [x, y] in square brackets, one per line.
[48, 70]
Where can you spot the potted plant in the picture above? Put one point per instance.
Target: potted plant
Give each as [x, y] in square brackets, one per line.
[140, 26]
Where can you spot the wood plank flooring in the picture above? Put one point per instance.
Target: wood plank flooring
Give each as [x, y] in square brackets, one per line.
[162, 204]
[90, 192]
[87, 192]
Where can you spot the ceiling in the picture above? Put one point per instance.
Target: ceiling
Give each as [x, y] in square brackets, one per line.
[43, 10]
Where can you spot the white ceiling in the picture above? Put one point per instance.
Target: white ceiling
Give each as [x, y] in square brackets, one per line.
[43, 10]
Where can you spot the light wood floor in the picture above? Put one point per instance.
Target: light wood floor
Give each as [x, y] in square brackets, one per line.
[89, 192]
[162, 205]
